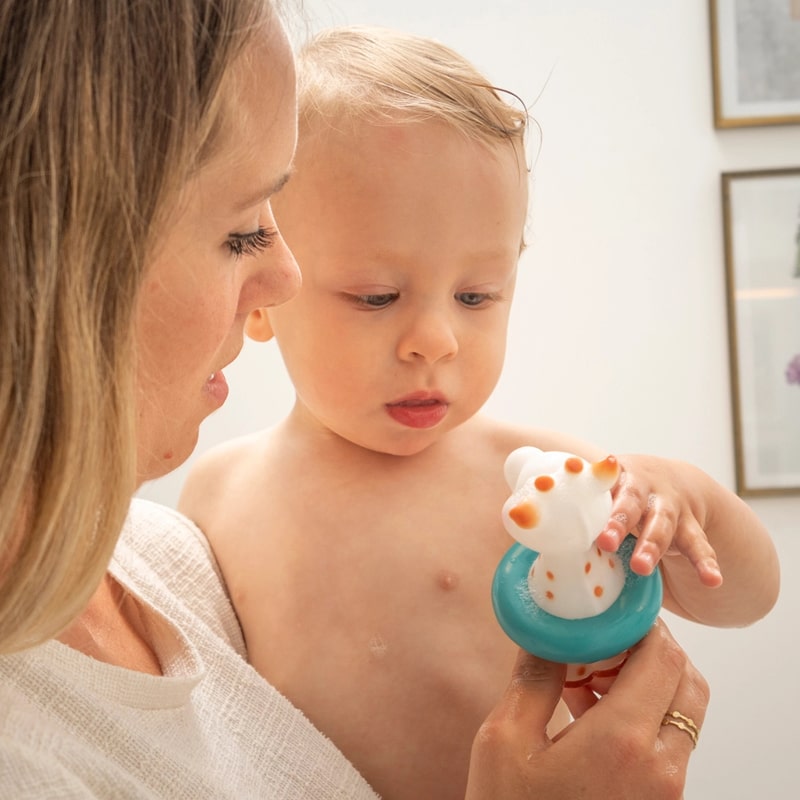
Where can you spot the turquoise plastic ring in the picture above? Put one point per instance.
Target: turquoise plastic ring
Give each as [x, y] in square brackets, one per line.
[574, 641]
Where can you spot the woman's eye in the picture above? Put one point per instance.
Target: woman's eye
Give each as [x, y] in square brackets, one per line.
[473, 299]
[375, 300]
[250, 244]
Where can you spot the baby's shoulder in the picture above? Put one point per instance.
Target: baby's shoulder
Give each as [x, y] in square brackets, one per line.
[218, 473]
[229, 456]
[505, 436]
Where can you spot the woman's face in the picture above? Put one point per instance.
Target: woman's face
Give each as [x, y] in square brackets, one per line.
[219, 257]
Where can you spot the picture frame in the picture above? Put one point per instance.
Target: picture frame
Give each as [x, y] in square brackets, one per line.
[755, 68]
[761, 222]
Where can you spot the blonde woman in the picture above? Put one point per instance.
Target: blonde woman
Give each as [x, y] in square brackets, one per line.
[140, 146]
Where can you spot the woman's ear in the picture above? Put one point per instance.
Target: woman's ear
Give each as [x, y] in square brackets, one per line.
[257, 325]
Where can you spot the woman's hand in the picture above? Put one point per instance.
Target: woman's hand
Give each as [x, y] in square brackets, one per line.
[617, 747]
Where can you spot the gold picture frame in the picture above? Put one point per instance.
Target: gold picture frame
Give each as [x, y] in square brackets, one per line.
[755, 59]
[761, 222]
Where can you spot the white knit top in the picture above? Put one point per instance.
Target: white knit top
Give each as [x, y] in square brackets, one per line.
[211, 727]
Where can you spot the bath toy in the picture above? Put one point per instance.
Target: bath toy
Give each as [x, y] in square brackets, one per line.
[555, 592]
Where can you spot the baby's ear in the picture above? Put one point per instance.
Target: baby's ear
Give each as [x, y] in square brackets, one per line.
[257, 325]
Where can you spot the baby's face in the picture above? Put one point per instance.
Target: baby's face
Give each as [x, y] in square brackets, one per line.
[408, 238]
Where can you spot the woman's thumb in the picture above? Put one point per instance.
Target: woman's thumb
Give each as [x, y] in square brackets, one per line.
[526, 707]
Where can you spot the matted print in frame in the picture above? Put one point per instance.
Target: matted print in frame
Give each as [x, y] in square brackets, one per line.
[761, 218]
[755, 59]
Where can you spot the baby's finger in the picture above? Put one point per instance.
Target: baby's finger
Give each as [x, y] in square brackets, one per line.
[691, 543]
[657, 530]
[662, 534]
[629, 504]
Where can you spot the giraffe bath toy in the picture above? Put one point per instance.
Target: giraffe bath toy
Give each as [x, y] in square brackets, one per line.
[556, 593]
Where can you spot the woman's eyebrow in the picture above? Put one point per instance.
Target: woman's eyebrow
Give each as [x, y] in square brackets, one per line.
[264, 193]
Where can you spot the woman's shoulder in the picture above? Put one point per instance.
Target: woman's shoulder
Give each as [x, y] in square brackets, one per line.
[165, 558]
[164, 538]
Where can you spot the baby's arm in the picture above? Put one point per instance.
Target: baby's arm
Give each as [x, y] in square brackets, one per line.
[699, 532]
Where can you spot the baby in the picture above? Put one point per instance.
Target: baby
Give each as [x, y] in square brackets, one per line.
[360, 535]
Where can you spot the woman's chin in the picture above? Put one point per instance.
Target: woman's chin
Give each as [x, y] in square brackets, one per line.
[155, 465]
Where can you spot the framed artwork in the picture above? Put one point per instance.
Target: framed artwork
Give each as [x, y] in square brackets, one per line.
[755, 63]
[761, 220]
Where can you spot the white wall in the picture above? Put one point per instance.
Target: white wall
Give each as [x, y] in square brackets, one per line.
[619, 330]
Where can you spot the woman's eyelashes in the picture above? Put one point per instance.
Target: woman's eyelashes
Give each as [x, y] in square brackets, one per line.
[250, 244]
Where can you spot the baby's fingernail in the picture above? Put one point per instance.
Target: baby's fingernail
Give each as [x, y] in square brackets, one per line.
[609, 539]
[647, 561]
[711, 568]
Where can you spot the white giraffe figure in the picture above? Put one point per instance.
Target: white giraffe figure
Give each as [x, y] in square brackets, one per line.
[559, 505]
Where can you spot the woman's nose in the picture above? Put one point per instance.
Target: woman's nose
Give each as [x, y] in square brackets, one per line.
[429, 337]
[277, 276]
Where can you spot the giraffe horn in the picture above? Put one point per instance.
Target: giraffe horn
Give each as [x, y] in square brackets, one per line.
[606, 471]
[525, 515]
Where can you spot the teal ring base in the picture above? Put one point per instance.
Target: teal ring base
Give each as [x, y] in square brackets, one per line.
[574, 641]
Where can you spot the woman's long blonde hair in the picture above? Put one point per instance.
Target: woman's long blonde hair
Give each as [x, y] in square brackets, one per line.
[105, 107]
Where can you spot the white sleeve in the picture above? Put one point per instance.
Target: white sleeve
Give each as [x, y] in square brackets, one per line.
[173, 554]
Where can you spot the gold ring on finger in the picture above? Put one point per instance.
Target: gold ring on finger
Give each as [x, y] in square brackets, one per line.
[686, 724]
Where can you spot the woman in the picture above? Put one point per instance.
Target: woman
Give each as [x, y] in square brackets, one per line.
[140, 144]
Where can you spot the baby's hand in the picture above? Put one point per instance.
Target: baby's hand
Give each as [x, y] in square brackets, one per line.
[656, 500]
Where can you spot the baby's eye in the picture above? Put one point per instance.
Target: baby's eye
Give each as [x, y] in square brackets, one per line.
[375, 300]
[250, 244]
[474, 299]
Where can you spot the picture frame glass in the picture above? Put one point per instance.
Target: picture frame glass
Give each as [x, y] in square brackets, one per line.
[763, 269]
[755, 46]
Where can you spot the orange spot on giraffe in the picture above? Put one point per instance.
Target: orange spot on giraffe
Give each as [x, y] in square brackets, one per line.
[549, 595]
[544, 483]
[599, 552]
[612, 563]
[550, 576]
[588, 567]
[598, 591]
[573, 465]
[607, 468]
[581, 671]
[525, 515]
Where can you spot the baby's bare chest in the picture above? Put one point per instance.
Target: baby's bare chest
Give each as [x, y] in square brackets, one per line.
[379, 626]
[398, 659]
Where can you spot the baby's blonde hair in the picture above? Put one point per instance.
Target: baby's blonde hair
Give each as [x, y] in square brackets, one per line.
[351, 74]
[105, 109]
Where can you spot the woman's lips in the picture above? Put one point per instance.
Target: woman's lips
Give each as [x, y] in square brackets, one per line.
[418, 411]
[216, 387]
